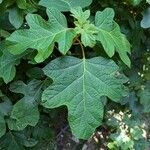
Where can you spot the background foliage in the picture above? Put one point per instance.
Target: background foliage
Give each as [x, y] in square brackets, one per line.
[102, 84]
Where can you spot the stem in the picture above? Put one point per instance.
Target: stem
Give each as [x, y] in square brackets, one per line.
[82, 48]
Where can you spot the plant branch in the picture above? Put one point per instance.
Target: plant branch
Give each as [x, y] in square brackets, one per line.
[82, 48]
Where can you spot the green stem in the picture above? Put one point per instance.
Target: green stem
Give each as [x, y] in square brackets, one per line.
[82, 48]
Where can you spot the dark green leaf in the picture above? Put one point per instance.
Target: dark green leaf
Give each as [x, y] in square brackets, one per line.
[25, 111]
[8, 62]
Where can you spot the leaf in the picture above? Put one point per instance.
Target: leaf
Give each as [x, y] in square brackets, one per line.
[5, 108]
[135, 2]
[79, 84]
[9, 142]
[42, 35]
[50, 145]
[8, 63]
[16, 141]
[21, 4]
[43, 131]
[2, 126]
[80, 15]
[136, 133]
[25, 111]
[144, 95]
[134, 105]
[4, 4]
[64, 5]
[142, 144]
[35, 73]
[16, 17]
[84, 27]
[145, 23]
[4, 33]
[44, 134]
[148, 1]
[110, 36]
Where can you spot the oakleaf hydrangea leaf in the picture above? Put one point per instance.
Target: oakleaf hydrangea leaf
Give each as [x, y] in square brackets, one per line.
[16, 141]
[8, 62]
[80, 15]
[80, 84]
[16, 17]
[42, 35]
[110, 36]
[5, 109]
[25, 111]
[84, 27]
[64, 5]
[105, 30]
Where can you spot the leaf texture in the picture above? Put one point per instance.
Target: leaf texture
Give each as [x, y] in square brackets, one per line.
[80, 84]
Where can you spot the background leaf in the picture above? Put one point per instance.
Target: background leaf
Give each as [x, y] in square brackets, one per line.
[16, 141]
[25, 111]
[64, 5]
[5, 109]
[144, 95]
[145, 23]
[16, 17]
[8, 62]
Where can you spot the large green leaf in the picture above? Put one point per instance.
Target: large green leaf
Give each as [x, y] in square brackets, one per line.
[25, 111]
[79, 84]
[8, 62]
[42, 35]
[64, 5]
[110, 36]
